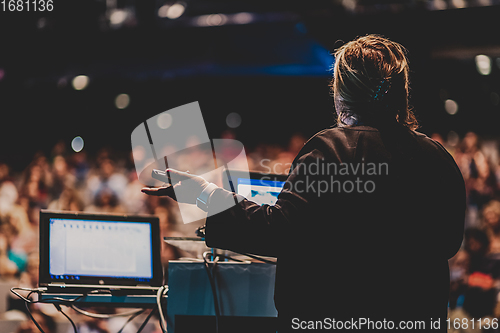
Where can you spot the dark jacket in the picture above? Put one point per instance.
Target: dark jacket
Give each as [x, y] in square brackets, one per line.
[363, 228]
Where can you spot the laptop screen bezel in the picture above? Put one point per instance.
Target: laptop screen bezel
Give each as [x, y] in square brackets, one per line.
[45, 278]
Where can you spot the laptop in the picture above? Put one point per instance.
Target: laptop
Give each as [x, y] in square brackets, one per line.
[261, 188]
[82, 252]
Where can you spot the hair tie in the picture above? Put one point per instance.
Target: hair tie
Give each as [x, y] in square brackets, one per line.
[381, 90]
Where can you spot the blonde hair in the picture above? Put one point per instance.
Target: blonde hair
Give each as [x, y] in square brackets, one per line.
[364, 67]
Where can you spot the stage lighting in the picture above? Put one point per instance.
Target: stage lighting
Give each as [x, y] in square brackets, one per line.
[138, 153]
[80, 82]
[440, 5]
[77, 144]
[233, 120]
[122, 101]
[117, 17]
[483, 64]
[175, 11]
[211, 20]
[242, 18]
[216, 19]
[349, 5]
[451, 106]
[163, 11]
[164, 120]
[459, 3]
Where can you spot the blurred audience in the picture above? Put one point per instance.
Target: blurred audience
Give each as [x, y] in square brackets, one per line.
[8, 191]
[46, 322]
[8, 267]
[491, 224]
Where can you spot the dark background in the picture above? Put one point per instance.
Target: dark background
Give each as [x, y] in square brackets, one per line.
[273, 71]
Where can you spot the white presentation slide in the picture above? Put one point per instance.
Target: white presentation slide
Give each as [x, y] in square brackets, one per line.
[100, 248]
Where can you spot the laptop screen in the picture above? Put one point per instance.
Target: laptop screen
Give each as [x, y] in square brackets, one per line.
[100, 249]
[260, 191]
[261, 188]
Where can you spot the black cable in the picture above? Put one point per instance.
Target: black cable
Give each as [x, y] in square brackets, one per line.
[211, 277]
[102, 316]
[146, 320]
[214, 291]
[31, 316]
[58, 307]
[27, 301]
[61, 300]
[70, 303]
[132, 317]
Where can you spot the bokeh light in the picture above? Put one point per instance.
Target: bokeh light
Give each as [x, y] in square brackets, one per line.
[80, 82]
[77, 144]
[233, 120]
[483, 64]
[118, 17]
[242, 18]
[451, 106]
[164, 121]
[122, 101]
[163, 11]
[175, 11]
